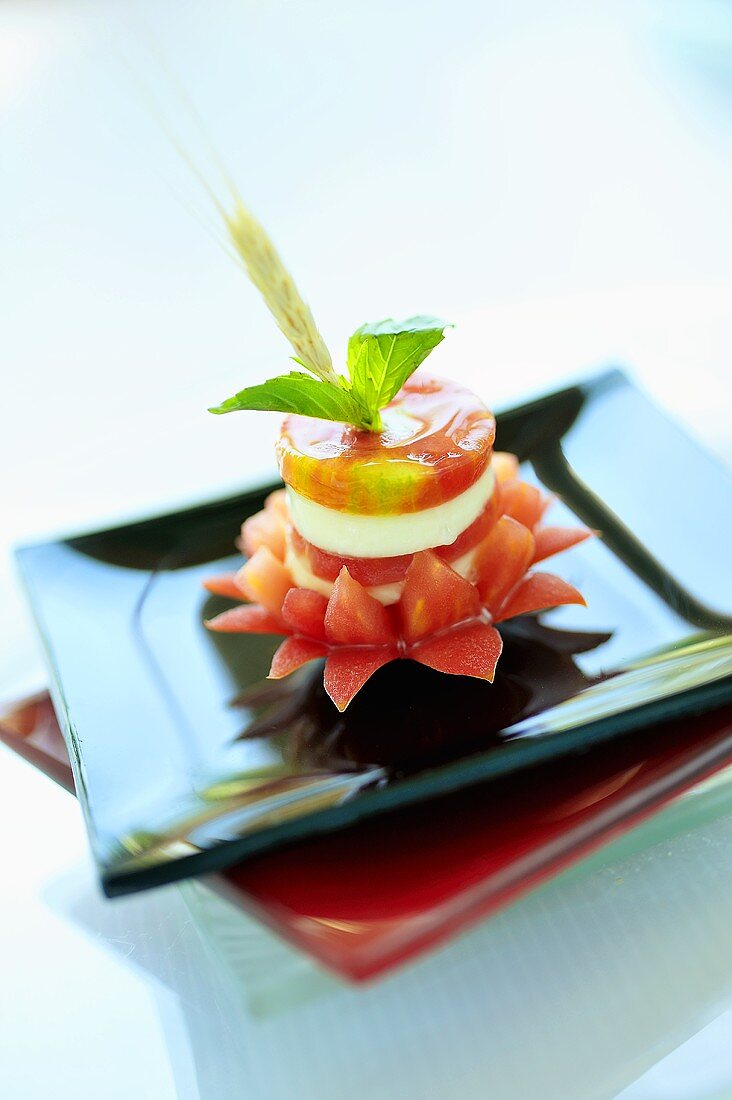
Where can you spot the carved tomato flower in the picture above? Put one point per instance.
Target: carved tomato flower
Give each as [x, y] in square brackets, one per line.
[441, 619]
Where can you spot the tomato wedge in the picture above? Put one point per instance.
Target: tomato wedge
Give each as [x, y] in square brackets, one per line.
[224, 585]
[304, 612]
[264, 579]
[505, 466]
[267, 528]
[434, 597]
[249, 618]
[354, 617]
[502, 559]
[553, 540]
[348, 668]
[523, 502]
[293, 653]
[469, 650]
[538, 592]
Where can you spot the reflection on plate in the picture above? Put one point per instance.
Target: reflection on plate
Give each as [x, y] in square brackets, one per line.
[369, 897]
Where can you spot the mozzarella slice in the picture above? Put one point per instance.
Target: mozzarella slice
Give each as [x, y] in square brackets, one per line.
[358, 536]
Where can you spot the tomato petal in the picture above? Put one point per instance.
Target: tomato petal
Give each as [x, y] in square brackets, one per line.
[523, 502]
[469, 650]
[266, 528]
[434, 597]
[293, 653]
[264, 579]
[501, 560]
[250, 618]
[552, 540]
[354, 617]
[276, 504]
[505, 466]
[348, 668]
[224, 585]
[304, 612]
[538, 592]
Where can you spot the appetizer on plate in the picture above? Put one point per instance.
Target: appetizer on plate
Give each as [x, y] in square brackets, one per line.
[400, 533]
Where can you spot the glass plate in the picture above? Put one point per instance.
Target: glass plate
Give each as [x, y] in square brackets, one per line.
[367, 898]
[186, 759]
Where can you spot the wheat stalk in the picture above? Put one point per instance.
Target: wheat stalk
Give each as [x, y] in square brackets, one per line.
[275, 284]
[252, 244]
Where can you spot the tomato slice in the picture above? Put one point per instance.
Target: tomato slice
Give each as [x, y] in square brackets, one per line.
[376, 571]
[436, 443]
[367, 571]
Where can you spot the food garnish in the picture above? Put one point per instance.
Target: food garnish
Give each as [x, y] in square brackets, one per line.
[400, 534]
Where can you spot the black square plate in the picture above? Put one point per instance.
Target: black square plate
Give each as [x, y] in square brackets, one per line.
[187, 759]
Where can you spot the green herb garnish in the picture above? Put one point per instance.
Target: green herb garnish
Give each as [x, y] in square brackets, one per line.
[381, 356]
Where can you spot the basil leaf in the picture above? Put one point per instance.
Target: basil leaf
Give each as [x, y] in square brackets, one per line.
[382, 356]
[296, 393]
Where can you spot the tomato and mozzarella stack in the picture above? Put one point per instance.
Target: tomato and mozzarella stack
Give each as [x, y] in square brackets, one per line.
[408, 543]
[370, 501]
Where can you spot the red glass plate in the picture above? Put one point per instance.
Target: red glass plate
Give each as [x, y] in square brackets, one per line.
[369, 897]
